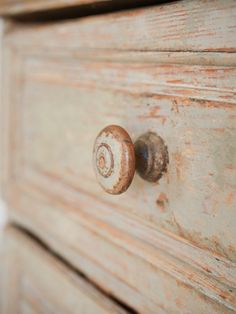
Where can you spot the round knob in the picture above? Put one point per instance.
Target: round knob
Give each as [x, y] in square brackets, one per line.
[115, 157]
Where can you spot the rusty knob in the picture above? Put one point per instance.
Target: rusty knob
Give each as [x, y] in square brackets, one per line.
[116, 157]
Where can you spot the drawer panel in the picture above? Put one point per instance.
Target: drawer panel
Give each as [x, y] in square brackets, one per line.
[174, 26]
[152, 277]
[65, 103]
[52, 178]
[36, 282]
[62, 87]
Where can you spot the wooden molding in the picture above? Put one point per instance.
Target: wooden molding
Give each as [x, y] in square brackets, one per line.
[16, 7]
[43, 283]
[137, 262]
[200, 26]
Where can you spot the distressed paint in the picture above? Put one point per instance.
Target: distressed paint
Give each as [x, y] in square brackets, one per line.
[146, 274]
[69, 178]
[37, 281]
[194, 130]
[167, 247]
[114, 159]
[151, 155]
[205, 25]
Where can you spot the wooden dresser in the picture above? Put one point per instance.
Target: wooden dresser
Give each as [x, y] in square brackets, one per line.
[87, 233]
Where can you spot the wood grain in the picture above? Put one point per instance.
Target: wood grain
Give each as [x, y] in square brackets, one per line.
[162, 248]
[94, 220]
[193, 100]
[143, 276]
[205, 25]
[37, 282]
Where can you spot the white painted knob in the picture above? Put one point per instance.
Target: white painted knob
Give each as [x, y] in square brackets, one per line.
[114, 159]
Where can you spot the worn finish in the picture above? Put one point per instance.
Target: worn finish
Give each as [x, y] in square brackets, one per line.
[151, 156]
[141, 267]
[14, 7]
[37, 282]
[69, 179]
[177, 118]
[166, 247]
[200, 26]
[114, 159]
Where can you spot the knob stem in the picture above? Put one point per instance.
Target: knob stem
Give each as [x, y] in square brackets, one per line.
[151, 156]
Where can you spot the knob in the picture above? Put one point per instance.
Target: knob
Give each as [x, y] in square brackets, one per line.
[115, 158]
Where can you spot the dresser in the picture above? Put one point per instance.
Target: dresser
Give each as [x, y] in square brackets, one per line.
[119, 156]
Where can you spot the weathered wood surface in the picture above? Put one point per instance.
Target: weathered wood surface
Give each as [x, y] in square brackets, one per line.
[14, 7]
[65, 103]
[36, 282]
[161, 248]
[151, 277]
[205, 25]
[47, 128]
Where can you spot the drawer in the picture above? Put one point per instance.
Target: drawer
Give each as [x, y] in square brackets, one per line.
[65, 103]
[36, 282]
[69, 80]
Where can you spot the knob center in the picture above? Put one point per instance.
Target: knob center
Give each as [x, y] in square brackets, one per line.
[104, 160]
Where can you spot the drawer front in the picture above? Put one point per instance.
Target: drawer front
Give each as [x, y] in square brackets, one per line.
[36, 282]
[64, 105]
[65, 85]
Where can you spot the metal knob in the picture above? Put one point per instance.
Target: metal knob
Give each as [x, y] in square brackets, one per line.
[116, 158]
